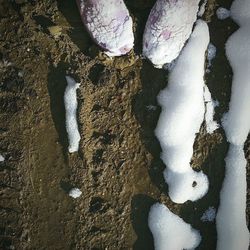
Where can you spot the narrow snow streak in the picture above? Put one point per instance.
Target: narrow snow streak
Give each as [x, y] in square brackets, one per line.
[170, 231]
[181, 117]
[70, 101]
[231, 218]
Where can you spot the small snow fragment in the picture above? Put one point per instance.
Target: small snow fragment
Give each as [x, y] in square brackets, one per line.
[211, 53]
[202, 8]
[209, 215]
[75, 193]
[170, 231]
[70, 101]
[151, 107]
[211, 125]
[222, 13]
[1, 158]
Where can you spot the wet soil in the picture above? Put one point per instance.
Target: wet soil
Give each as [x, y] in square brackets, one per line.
[118, 166]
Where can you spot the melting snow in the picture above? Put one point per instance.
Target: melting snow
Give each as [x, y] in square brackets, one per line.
[170, 231]
[231, 219]
[181, 117]
[70, 101]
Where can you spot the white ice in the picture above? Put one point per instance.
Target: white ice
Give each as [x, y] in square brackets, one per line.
[209, 215]
[222, 13]
[211, 53]
[231, 216]
[75, 193]
[181, 117]
[70, 101]
[170, 232]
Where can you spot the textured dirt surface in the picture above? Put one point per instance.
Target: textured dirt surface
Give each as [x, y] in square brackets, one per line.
[118, 166]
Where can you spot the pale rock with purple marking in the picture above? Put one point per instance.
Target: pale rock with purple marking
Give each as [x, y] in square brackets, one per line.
[109, 24]
[168, 27]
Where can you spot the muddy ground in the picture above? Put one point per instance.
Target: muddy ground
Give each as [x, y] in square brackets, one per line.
[118, 166]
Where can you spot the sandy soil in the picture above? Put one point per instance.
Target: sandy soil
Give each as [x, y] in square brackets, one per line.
[118, 166]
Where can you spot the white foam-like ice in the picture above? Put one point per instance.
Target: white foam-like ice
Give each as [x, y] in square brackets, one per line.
[181, 117]
[70, 101]
[170, 231]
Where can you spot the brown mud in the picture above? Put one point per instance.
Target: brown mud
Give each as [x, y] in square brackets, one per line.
[118, 166]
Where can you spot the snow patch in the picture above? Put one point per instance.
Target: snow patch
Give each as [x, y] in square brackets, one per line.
[2, 158]
[75, 193]
[231, 218]
[170, 231]
[222, 13]
[209, 215]
[211, 125]
[70, 101]
[181, 117]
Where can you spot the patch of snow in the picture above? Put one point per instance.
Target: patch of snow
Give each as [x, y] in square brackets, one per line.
[181, 117]
[211, 125]
[2, 158]
[75, 193]
[70, 101]
[222, 13]
[170, 231]
[209, 215]
[231, 218]
[168, 27]
[151, 107]
[211, 53]
[202, 8]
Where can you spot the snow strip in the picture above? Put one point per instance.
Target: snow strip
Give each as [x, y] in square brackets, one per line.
[209, 215]
[202, 8]
[70, 101]
[170, 231]
[168, 27]
[211, 125]
[231, 219]
[181, 117]
[231, 216]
